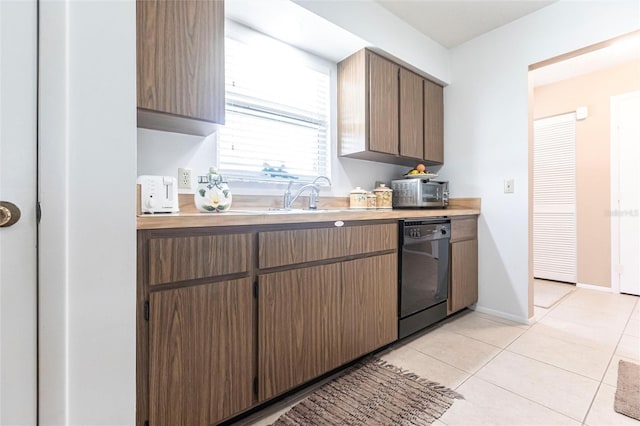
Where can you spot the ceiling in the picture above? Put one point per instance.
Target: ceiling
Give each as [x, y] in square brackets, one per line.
[453, 22]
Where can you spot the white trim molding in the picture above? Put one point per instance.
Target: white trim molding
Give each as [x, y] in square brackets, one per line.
[596, 287]
[500, 314]
[615, 189]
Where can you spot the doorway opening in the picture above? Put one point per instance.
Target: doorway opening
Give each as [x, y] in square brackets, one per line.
[579, 86]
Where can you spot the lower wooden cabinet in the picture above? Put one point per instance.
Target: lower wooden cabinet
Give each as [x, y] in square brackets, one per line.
[463, 289]
[299, 318]
[369, 305]
[221, 311]
[312, 320]
[200, 353]
[464, 275]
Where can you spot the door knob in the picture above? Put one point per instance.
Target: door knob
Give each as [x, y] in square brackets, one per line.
[9, 214]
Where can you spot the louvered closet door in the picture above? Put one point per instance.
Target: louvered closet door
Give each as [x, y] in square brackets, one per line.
[554, 198]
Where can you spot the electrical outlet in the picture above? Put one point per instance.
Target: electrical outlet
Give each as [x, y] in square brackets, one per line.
[184, 178]
[508, 186]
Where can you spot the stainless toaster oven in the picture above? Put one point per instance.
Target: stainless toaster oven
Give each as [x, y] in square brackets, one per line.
[416, 193]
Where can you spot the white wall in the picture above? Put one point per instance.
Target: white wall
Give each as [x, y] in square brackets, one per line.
[486, 130]
[87, 234]
[161, 153]
[382, 29]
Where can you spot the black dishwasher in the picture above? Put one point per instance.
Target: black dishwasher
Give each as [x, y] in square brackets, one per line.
[423, 273]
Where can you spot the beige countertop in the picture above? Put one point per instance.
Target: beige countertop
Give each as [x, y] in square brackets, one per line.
[252, 215]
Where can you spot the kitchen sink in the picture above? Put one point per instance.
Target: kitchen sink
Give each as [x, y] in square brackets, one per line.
[273, 211]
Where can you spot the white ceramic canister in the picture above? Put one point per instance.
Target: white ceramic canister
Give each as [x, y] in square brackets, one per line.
[383, 197]
[212, 194]
[358, 198]
[371, 200]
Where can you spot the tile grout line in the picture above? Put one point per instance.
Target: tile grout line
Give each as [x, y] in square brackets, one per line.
[509, 390]
[546, 363]
[482, 341]
[524, 397]
[584, 420]
[528, 399]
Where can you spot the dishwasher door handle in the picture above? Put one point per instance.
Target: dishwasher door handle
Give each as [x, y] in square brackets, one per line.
[409, 238]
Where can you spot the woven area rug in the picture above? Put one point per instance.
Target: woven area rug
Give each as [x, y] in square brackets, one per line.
[372, 392]
[627, 399]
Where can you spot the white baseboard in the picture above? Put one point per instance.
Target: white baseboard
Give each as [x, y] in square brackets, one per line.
[595, 287]
[500, 314]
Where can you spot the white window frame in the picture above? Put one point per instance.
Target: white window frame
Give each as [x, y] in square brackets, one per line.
[244, 34]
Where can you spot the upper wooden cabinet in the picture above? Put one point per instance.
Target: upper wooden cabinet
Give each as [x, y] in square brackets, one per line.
[411, 115]
[383, 105]
[383, 114]
[433, 122]
[180, 65]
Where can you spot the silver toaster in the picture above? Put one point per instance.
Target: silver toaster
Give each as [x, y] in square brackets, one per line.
[417, 193]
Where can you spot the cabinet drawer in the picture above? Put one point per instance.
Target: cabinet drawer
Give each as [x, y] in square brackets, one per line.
[174, 259]
[464, 229]
[277, 248]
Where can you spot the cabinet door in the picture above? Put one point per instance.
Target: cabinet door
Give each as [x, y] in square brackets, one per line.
[433, 122]
[383, 105]
[180, 58]
[411, 115]
[280, 248]
[298, 327]
[464, 275]
[201, 353]
[181, 258]
[369, 305]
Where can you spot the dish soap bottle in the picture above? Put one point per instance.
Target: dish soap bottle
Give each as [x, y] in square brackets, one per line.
[212, 194]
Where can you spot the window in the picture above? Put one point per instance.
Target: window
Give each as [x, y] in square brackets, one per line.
[277, 112]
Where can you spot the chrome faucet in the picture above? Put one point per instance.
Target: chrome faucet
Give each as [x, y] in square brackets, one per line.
[288, 199]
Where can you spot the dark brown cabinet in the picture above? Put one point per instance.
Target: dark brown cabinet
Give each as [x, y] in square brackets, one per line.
[200, 353]
[299, 327]
[312, 320]
[369, 305]
[221, 310]
[411, 115]
[180, 65]
[386, 113]
[383, 105]
[433, 122]
[463, 289]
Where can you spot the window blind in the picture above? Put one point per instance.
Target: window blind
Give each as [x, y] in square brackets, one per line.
[554, 198]
[277, 115]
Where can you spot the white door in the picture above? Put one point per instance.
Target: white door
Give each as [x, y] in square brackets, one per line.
[18, 358]
[554, 198]
[625, 181]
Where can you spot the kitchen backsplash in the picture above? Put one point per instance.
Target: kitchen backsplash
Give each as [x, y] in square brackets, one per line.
[162, 153]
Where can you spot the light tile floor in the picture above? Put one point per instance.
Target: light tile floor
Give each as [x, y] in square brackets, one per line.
[562, 370]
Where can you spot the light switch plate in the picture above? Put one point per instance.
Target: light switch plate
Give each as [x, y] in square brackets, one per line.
[508, 186]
